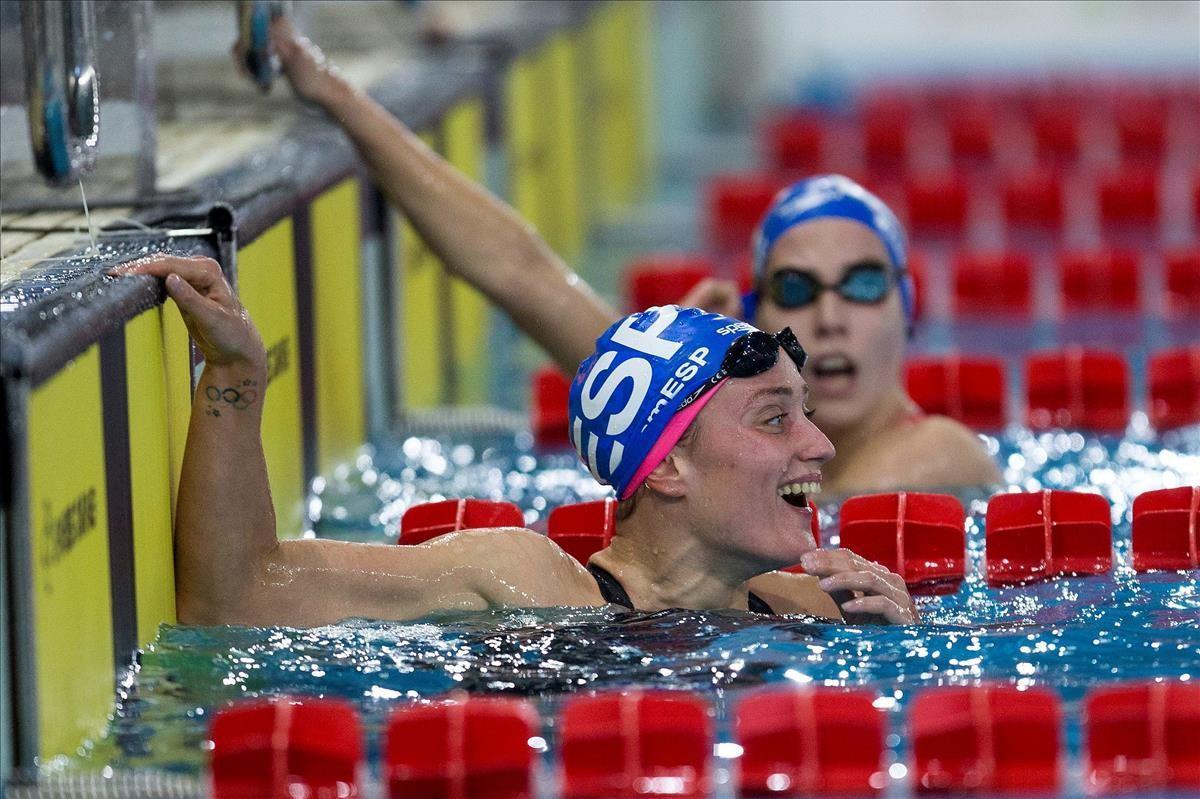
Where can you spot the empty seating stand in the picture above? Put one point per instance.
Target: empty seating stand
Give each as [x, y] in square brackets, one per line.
[1034, 536]
[936, 203]
[1130, 196]
[1033, 199]
[969, 389]
[1182, 277]
[921, 537]
[793, 143]
[736, 204]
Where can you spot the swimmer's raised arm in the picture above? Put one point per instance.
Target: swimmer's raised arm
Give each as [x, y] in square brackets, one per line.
[477, 236]
[230, 567]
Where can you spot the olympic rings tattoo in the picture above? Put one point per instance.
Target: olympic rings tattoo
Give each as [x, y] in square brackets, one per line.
[241, 397]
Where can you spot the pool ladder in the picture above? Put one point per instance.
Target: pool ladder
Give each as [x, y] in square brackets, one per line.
[61, 86]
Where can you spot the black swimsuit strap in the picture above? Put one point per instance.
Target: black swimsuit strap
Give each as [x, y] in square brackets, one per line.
[615, 593]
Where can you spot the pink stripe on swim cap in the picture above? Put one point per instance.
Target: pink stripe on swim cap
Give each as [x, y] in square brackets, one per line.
[669, 438]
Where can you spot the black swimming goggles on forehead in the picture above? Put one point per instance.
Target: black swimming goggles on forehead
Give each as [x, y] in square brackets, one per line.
[753, 354]
[865, 283]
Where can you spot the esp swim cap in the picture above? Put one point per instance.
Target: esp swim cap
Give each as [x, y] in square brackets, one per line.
[826, 196]
[640, 387]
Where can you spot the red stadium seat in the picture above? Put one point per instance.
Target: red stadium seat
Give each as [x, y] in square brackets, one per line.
[1044, 534]
[989, 283]
[1142, 737]
[431, 519]
[1174, 381]
[800, 742]
[1077, 388]
[984, 739]
[1130, 196]
[285, 746]
[1034, 199]
[476, 747]
[548, 399]
[635, 744]
[936, 202]
[583, 528]
[1100, 280]
[1182, 269]
[1166, 529]
[793, 142]
[736, 204]
[921, 537]
[971, 390]
[663, 279]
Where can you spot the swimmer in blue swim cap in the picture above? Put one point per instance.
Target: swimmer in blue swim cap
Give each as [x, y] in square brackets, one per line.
[831, 263]
[697, 420]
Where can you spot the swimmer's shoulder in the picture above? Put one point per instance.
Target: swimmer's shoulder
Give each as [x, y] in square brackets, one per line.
[946, 452]
[521, 568]
[786, 592]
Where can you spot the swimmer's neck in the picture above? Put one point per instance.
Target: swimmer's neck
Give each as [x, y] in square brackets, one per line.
[856, 441]
[659, 570]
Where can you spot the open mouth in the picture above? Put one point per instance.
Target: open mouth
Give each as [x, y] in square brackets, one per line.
[796, 494]
[833, 366]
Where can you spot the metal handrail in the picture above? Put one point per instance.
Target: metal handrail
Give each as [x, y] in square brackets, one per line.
[61, 86]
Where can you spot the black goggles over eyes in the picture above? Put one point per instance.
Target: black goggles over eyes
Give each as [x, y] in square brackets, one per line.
[866, 283]
[753, 354]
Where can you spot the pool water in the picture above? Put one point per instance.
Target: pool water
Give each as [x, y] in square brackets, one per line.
[1066, 634]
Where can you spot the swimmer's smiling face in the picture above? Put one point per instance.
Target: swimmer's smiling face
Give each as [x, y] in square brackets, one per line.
[754, 456]
[856, 351]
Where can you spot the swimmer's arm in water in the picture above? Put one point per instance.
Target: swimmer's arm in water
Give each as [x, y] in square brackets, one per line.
[477, 236]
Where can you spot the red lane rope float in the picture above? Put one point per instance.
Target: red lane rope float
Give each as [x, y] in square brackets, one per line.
[464, 748]
[937, 202]
[736, 204]
[1100, 280]
[1034, 199]
[1077, 388]
[1044, 534]
[796, 742]
[584, 528]
[663, 278]
[921, 537]
[431, 519]
[549, 420]
[1182, 268]
[1130, 196]
[1166, 529]
[971, 390]
[793, 142]
[1173, 377]
[1142, 736]
[635, 744]
[990, 283]
[285, 746]
[984, 738]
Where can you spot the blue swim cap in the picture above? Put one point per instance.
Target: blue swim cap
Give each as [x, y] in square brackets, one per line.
[826, 196]
[646, 369]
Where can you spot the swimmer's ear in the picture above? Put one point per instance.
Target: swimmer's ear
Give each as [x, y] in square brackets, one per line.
[667, 478]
